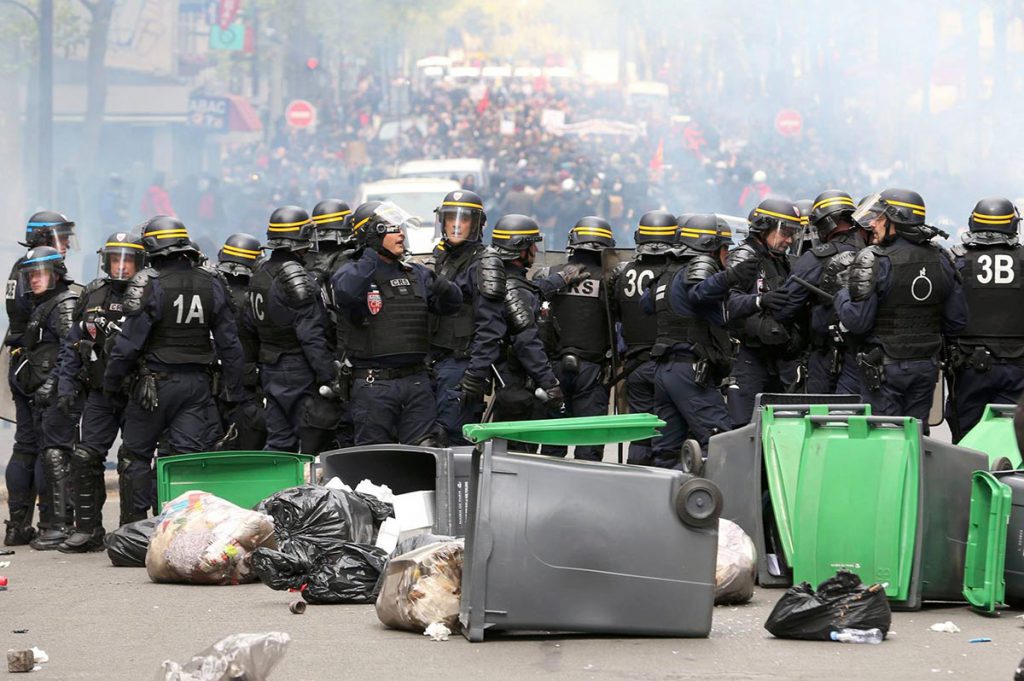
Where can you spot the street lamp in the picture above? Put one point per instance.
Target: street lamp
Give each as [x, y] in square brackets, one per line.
[44, 23]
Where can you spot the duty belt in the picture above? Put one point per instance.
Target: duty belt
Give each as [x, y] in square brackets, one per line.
[386, 373]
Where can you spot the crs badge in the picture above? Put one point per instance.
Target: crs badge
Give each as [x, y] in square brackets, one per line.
[374, 302]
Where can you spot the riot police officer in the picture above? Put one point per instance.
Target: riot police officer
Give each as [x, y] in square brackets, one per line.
[693, 348]
[83, 360]
[766, 344]
[236, 260]
[903, 295]
[286, 311]
[523, 366]
[24, 473]
[333, 240]
[384, 306]
[458, 343]
[987, 358]
[831, 364]
[579, 340]
[178, 323]
[656, 234]
[44, 275]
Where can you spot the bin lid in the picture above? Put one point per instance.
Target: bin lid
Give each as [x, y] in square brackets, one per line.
[994, 435]
[584, 430]
[205, 456]
[984, 563]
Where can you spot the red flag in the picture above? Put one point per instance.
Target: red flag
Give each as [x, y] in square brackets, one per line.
[658, 160]
[484, 102]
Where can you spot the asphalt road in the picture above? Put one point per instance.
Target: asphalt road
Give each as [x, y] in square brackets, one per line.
[100, 622]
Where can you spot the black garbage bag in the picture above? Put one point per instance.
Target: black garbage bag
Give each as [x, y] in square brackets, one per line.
[347, 574]
[380, 510]
[841, 602]
[415, 542]
[310, 520]
[128, 544]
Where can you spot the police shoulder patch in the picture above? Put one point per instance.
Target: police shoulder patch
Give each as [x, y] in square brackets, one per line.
[825, 250]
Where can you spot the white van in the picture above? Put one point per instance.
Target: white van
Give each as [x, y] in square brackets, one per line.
[418, 196]
[447, 168]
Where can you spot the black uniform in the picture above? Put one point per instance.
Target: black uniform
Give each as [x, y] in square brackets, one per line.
[251, 423]
[178, 323]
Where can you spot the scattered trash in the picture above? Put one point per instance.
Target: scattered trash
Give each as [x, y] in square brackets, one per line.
[240, 656]
[19, 631]
[419, 541]
[872, 636]
[946, 627]
[347, 573]
[6, 552]
[840, 602]
[737, 565]
[437, 632]
[203, 539]
[423, 588]
[382, 492]
[310, 519]
[297, 607]
[3, 583]
[5, 563]
[128, 544]
[982, 639]
[20, 661]
[336, 483]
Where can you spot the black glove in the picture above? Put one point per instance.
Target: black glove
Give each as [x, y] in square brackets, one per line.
[67, 404]
[556, 398]
[573, 273]
[440, 287]
[146, 392]
[43, 396]
[474, 387]
[773, 301]
[843, 278]
[742, 275]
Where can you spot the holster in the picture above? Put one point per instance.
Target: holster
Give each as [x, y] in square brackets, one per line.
[871, 366]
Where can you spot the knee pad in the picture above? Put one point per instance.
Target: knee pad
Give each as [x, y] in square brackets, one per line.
[85, 460]
[55, 465]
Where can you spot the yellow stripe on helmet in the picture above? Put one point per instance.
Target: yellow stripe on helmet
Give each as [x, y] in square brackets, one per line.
[832, 201]
[657, 231]
[773, 214]
[593, 231]
[361, 223]
[462, 204]
[285, 229]
[917, 209]
[993, 219]
[508, 233]
[330, 217]
[240, 252]
[119, 244]
[167, 233]
[691, 231]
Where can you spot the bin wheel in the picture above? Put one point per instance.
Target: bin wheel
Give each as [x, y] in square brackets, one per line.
[692, 458]
[699, 503]
[1002, 464]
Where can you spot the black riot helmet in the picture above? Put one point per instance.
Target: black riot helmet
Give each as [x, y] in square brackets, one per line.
[117, 251]
[239, 254]
[289, 228]
[656, 232]
[41, 269]
[380, 218]
[705, 232]
[776, 213]
[163, 235]
[994, 214]
[47, 227]
[591, 234]
[904, 209]
[332, 222]
[464, 211]
[829, 208]
[513, 234]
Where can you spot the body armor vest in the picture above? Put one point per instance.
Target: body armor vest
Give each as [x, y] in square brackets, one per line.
[454, 333]
[99, 307]
[992, 287]
[182, 336]
[275, 339]
[639, 330]
[580, 316]
[398, 323]
[909, 322]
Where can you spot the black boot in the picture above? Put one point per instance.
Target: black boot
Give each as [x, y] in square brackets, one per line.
[90, 494]
[57, 471]
[18, 534]
[19, 528]
[129, 478]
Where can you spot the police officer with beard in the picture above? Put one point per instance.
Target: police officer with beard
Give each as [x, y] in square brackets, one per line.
[45, 277]
[24, 473]
[384, 307]
[987, 358]
[83, 361]
[760, 364]
[178, 323]
[831, 364]
[287, 313]
[523, 365]
[655, 236]
[904, 294]
[579, 335]
[462, 344]
[236, 260]
[693, 349]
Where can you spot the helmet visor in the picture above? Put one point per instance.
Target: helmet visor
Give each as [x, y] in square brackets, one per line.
[458, 224]
[870, 208]
[392, 219]
[122, 261]
[38, 277]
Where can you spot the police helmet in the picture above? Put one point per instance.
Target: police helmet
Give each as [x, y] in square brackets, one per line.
[41, 269]
[994, 214]
[239, 254]
[120, 249]
[776, 213]
[379, 218]
[163, 235]
[464, 211]
[656, 232]
[332, 222]
[513, 234]
[591, 233]
[289, 228]
[45, 227]
[829, 208]
[705, 232]
[902, 207]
